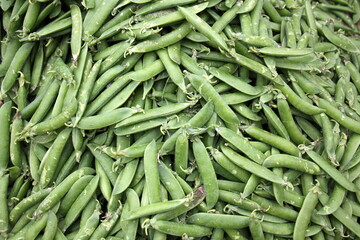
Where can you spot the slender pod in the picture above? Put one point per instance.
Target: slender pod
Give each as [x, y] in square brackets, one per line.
[252, 167]
[272, 139]
[154, 208]
[59, 191]
[219, 220]
[177, 229]
[207, 173]
[204, 28]
[163, 41]
[5, 115]
[17, 63]
[51, 158]
[241, 144]
[303, 219]
[332, 171]
[209, 93]
[153, 113]
[76, 32]
[27, 203]
[292, 162]
[4, 213]
[105, 119]
[80, 202]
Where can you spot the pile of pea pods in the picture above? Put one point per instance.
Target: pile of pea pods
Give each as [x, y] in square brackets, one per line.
[181, 119]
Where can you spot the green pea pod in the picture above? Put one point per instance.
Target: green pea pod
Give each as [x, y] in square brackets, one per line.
[4, 213]
[210, 94]
[332, 171]
[154, 208]
[339, 40]
[219, 220]
[5, 114]
[59, 191]
[207, 173]
[125, 177]
[176, 229]
[303, 219]
[252, 167]
[105, 119]
[80, 202]
[17, 63]
[27, 203]
[51, 158]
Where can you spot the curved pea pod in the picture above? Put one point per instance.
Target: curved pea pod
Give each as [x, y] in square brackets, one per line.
[52, 123]
[59, 191]
[257, 41]
[241, 144]
[209, 93]
[224, 162]
[303, 218]
[140, 127]
[296, 101]
[195, 198]
[181, 154]
[332, 171]
[219, 220]
[173, 69]
[33, 229]
[60, 26]
[162, 41]
[197, 121]
[125, 177]
[4, 213]
[288, 161]
[337, 115]
[52, 156]
[204, 28]
[179, 229]
[51, 226]
[87, 229]
[85, 91]
[5, 114]
[343, 217]
[16, 65]
[235, 82]
[207, 173]
[105, 119]
[81, 201]
[339, 40]
[163, 111]
[154, 208]
[76, 32]
[275, 121]
[255, 228]
[334, 202]
[101, 12]
[273, 140]
[168, 18]
[27, 203]
[15, 146]
[73, 193]
[275, 209]
[284, 52]
[170, 182]
[289, 123]
[252, 167]
[104, 182]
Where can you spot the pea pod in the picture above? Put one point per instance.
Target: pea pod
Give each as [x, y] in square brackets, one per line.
[17, 63]
[5, 114]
